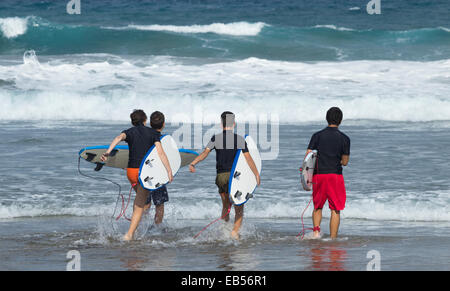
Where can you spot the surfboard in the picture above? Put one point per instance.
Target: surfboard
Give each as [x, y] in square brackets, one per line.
[152, 173]
[307, 170]
[242, 181]
[119, 156]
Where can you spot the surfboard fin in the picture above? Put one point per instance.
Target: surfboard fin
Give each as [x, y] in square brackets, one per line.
[237, 194]
[236, 174]
[113, 153]
[248, 196]
[149, 161]
[90, 156]
[147, 178]
[99, 166]
[158, 185]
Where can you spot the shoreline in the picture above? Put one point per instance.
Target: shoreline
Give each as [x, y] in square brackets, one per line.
[265, 245]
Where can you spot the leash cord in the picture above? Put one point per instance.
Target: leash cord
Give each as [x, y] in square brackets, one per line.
[105, 179]
[303, 231]
[223, 216]
[123, 208]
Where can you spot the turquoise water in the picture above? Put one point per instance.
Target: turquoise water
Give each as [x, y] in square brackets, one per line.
[274, 30]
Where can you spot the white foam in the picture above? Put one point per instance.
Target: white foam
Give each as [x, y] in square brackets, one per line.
[12, 27]
[371, 208]
[334, 27]
[70, 89]
[235, 28]
[28, 210]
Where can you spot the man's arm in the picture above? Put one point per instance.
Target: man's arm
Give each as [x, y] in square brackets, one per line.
[114, 143]
[345, 159]
[252, 166]
[346, 152]
[198, 159]
[162, 155]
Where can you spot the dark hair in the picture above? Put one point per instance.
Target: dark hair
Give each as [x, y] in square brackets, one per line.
[227, 119]
[334, 116]
[138, 117]
[157, 120]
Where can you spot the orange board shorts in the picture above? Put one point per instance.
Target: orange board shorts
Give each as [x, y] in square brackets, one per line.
[133, 175]
[159, 196]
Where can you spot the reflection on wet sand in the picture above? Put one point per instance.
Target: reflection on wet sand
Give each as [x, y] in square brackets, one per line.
[325, 257]
[159, 259]
[238, 259]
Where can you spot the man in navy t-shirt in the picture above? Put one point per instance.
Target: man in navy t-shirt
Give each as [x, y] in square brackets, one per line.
[333, 152]
[226, 144]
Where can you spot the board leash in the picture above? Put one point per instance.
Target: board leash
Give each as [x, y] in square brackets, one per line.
[102, 178]
[223, 216]
[124, 207]
[105, 179]
[119, 196]
[303, 231]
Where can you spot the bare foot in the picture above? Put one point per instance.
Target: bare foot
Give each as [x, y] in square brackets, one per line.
[235, 235]
[127, 237]
[316, 234]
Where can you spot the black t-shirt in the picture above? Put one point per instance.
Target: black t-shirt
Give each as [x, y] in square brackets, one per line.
[330, 144]
[140, 139]
[226, 145]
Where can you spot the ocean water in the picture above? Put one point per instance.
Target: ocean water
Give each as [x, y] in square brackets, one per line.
[70, 81]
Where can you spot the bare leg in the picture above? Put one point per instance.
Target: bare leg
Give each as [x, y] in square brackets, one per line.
[147, 206]
[317, 219]
[137, 215]
[239, 216]
[225, 206]
[334, 223]
[159, 214]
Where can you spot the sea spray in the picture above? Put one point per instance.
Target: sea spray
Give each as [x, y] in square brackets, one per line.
[12, 27]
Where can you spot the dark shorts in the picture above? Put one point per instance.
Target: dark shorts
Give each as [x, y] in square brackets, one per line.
[159, 196]
[329, 187]
[222, 182]
[144, 197]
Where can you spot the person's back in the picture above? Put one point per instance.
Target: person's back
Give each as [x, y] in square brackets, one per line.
[140, 139]
[331, 144]
[226, 144]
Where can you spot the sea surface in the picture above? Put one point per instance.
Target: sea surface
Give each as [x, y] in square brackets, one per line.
[71, 81]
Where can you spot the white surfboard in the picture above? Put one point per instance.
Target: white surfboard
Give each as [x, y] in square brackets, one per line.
[307, 170]
[152, 173]
[242, 181]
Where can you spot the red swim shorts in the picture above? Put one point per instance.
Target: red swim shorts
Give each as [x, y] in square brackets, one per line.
[329, 187]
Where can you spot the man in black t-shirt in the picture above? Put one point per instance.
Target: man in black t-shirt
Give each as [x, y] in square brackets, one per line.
[226, 144]
[333, 151]
[140, 139]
